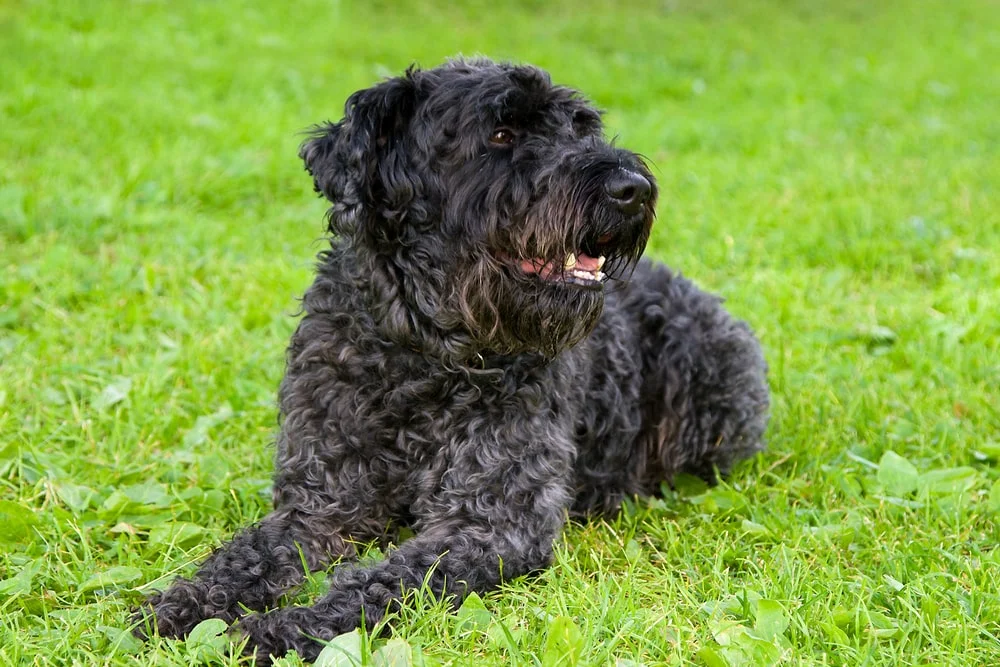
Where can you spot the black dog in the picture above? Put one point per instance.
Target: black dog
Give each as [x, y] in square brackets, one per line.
[482, 354]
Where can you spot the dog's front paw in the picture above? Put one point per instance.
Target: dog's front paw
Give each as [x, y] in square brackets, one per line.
[175, 611]
[276, 633]
[168, 614]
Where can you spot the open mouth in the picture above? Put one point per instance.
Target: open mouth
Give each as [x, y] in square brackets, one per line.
[577, 268]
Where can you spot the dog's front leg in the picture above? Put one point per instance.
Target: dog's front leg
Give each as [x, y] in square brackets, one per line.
[479, 540]
[249, 572]
[474, 560]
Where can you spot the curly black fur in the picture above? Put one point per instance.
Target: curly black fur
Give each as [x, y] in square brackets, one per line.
[452, 376]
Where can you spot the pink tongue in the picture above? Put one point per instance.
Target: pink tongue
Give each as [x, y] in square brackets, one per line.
[588, 263]
[536, 266]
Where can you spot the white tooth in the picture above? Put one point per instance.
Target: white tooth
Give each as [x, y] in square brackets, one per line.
[570, 261]
[600, 262]
[587, 275]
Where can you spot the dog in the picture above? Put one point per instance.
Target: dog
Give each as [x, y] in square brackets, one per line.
[482, 355]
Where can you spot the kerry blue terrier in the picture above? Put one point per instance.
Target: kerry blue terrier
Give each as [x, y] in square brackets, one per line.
[482, 354]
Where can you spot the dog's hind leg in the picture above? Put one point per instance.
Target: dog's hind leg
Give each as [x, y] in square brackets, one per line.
[250, 572]
[704, 380]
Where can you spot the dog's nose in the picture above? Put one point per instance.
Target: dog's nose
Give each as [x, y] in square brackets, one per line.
[628, 190]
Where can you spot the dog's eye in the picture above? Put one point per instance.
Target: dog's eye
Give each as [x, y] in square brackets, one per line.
[501, 137]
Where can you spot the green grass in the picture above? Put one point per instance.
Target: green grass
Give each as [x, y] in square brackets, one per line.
[831, 168]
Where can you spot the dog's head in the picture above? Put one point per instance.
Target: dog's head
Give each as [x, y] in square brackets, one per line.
[486, 203]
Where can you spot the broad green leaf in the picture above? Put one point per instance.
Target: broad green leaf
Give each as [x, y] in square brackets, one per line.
[895, 584]
[685, 485]
[737, 605]
[844, 618]
[875, 335]
[208, 637]
[771, 620]
[633, 552]
[762, 653]
[563, 644]
[112, 577]
[473, 614]
[36, 465]
[395, 653]
[840, 533]
[728, 632]
[994, 501]
[897, 475]
[989, 450]
[719, 500]
[881, 625]
[755, 529]
[114, 393]
[342, 651]
[422, 660]
[113, 505]
[76, 496]
[146, 520]
[214, 469]
[501, 635]
[176, 533]
[711, 658]
[9, 451]
[148, 493]
[121, 639]
[15, 521]
[833, 633]
[198, 433]
[207, 500]
[947, 481]
[20, 583]
[52, 396]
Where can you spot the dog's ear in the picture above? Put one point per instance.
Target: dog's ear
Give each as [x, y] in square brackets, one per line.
[359, 163]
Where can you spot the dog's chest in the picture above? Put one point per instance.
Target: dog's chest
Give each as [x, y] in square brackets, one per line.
[427, 413]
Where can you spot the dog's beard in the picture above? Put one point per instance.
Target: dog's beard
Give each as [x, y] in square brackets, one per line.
[545, 293]
[512, 312]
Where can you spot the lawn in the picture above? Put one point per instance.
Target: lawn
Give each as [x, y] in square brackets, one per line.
[833, 169]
